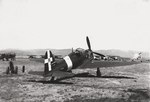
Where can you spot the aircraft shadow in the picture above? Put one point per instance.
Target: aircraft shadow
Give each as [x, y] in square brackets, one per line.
[83, 75]
[50, 82]
[118, 77]
[87, 75]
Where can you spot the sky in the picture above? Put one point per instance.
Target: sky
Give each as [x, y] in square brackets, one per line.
[61, 24]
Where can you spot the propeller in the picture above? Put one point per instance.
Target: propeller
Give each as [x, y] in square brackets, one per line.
[90, 52]
[88, 43]
[99, 54]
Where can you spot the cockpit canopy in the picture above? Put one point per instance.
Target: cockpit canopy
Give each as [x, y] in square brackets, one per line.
[82, 52]
[79, 50]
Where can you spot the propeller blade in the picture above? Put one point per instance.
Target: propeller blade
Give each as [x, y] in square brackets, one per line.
[99, 54]
[88, 43]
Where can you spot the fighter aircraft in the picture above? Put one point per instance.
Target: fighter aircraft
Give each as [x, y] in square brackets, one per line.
[63, 68]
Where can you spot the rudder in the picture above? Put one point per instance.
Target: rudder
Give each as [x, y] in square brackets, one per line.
[48, 61]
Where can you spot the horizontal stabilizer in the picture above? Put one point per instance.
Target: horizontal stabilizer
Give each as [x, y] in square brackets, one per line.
[36, 73]
[60, 74]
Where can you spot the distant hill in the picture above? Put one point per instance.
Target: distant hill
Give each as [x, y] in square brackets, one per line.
[64, 52]
[18, 52]
[121, 53]
[36, 51]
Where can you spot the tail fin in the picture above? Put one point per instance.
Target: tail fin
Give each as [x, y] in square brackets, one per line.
[48, 61]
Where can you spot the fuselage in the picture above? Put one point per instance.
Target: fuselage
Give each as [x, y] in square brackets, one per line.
[71, 61]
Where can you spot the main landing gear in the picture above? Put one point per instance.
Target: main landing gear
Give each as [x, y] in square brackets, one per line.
[98, 72]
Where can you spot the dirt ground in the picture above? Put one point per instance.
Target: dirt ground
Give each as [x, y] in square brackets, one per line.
[117, 84]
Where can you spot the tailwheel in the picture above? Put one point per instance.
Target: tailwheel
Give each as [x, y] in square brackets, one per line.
[53, 79]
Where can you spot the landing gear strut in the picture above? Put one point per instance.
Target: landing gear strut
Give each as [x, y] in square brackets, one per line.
[98, 73]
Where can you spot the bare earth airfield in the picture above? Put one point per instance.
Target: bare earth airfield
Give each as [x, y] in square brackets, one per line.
[128, 83]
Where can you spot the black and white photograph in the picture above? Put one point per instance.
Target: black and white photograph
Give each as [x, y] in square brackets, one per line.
[74, 51]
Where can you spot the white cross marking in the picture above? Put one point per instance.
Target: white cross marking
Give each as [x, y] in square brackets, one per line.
[48, 60]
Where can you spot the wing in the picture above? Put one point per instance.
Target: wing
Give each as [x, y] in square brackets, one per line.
[106, 64]
[41, 73]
